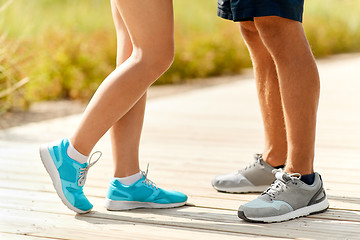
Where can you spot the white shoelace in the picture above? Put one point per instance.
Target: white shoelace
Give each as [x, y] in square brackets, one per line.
[83, 171]
[280, 183]
[148, 181]
[253, 164]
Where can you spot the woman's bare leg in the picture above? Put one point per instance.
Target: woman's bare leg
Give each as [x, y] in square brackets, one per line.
[151, 29]
[126, 132]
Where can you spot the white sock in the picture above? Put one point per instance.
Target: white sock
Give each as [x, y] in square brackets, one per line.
[74, 154]
[130, 179]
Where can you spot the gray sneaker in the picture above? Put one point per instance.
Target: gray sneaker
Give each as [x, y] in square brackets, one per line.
[287, 198]
[256, 177]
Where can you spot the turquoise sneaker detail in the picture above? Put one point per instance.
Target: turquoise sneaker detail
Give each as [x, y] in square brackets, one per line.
[68, 176]
[141, 194]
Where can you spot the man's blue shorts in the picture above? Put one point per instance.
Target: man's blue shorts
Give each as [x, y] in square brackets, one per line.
[246, 10]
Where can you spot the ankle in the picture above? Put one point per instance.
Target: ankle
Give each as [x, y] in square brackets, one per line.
[303, 171]
[274, 160]
[74, 154]
[122, 172]
[80, 147]
[130, 179]
[308, 178]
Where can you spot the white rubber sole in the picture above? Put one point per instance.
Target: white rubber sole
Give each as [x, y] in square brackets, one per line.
[55, 177]
[127, 205]
[301, 212]
[249, 189]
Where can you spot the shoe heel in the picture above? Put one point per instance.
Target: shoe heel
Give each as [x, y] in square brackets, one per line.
[50, 167]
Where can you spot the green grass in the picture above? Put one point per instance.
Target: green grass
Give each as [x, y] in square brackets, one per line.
[67, 47]
[333, 26]
[10, 75]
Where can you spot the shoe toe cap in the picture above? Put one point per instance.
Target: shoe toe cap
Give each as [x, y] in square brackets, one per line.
[232, 180]
[178, 197]
[82, 203]
[259, 208]
[168, 197]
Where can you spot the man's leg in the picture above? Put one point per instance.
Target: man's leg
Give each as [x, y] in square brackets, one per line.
[275, 151]
[258, 176]
[299, 87]
[291, 195]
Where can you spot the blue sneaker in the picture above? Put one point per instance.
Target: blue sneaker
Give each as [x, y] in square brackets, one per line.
[142, 194]
[68, 176]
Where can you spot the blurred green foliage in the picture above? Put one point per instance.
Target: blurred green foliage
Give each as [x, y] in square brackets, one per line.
[332, 26]
[11, 74]
[67, 47]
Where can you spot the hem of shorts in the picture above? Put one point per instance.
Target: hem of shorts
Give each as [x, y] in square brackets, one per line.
[224, 14]
[249, 14]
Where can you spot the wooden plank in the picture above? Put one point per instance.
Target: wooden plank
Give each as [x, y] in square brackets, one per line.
[336, 197]
[196, 220]
[346, 195]
[100, 174]
[15, 236]
[100, 179]
[41, 201]
[231, 156]
[100, 226]
[344, 173]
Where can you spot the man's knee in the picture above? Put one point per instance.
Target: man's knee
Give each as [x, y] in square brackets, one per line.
[249, 32]
[277, 32]
[270, 28]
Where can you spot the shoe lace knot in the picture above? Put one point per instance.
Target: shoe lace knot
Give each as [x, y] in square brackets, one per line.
[258, 160]
[281, 182]
[148, 181]
[83, 171]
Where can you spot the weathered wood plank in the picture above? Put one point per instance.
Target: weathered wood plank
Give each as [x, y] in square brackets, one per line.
[101, 225]
[16, 236]
[224, 223]
[36, 201]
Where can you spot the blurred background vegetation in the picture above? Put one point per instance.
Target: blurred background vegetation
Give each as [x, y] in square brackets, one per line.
[63, 49]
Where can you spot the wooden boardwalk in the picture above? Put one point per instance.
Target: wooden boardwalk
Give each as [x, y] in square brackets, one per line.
[188, 139]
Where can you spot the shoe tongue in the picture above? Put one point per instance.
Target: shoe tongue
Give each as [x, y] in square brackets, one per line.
[282, 176]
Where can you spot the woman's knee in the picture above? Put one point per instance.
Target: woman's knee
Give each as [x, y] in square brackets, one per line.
[162, 58]
[155, 59]
[123, 53]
